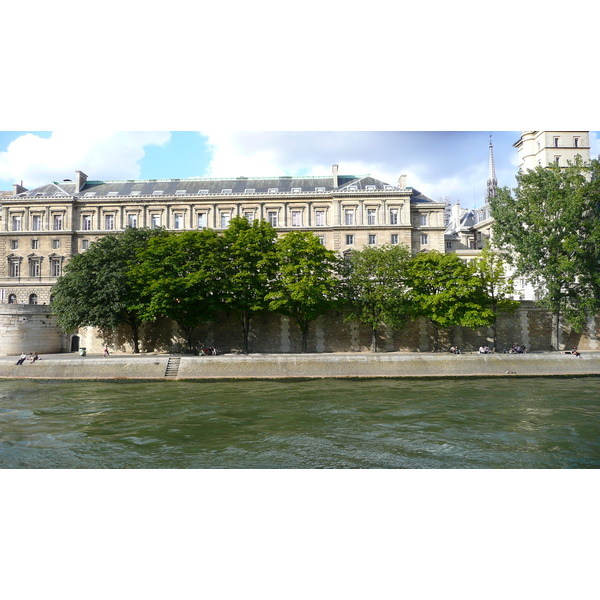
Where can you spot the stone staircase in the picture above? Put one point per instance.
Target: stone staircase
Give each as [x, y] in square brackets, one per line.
[172, 366]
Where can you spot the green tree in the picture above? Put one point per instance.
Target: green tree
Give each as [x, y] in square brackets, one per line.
[447, 292]
[497, 288]
[248, 268]
[375, 287]
[306, 284]
[95, 290]
[180, 277]
[550, 230]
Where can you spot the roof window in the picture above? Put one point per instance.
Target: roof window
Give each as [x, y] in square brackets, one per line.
[180, 192]
[273, 190]
[296, 190]
[370, 188]
[135, 193]
[89, 194]
[226, 191]
[203, 191]
[112, 194]
[249, 191]
[158, 192]
[319, 189]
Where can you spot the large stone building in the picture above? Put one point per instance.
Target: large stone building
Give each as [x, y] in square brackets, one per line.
[541, 148]
[43, 227]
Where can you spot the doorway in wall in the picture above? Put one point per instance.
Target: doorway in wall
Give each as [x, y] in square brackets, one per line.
[75, 343]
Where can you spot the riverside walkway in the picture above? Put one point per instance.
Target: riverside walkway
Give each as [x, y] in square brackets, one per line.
[301, 366]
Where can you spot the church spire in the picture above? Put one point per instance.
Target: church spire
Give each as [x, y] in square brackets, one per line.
[492, 182]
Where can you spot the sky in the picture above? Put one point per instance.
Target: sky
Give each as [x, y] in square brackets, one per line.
[449, 165]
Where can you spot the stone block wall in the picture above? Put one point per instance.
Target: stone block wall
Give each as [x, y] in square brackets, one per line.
[32, 328]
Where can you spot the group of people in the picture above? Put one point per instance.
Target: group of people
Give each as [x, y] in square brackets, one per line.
[212, 351]
[30, 357]
[574, 352]
[454, 350]
[484, 349]
[516, 349]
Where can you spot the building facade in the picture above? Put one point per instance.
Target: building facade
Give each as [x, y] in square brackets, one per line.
[43, 227]
[542, 148]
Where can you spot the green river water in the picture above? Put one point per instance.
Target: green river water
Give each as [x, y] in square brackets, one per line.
[533, 423]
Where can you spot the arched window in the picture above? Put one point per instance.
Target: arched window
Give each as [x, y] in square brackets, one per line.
[32, 298]
[12, 299]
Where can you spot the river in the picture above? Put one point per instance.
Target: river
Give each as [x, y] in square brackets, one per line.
[514, 423]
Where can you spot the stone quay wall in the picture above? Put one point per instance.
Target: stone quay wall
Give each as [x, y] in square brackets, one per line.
[32, 328]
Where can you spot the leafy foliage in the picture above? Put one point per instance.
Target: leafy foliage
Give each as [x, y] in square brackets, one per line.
[375, 284]
[550, 230]
[95, 290]
[248, 267]
[180, 277]
[447, 292]
[306, 284]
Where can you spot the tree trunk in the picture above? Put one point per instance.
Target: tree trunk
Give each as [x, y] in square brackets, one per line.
[374, 340]
[246, 316]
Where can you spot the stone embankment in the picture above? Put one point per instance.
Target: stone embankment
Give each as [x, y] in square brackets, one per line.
[285, 366]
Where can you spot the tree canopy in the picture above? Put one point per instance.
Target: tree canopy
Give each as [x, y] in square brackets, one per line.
[549, 228]
[306, 283]
[95, 290]
[375, 285]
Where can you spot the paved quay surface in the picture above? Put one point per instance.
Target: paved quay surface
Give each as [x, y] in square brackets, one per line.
[285, 366]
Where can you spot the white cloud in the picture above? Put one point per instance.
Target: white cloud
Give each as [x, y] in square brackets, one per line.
[114, 155]
[443, 164]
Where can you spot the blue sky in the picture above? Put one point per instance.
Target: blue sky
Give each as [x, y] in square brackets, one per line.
[446, 164]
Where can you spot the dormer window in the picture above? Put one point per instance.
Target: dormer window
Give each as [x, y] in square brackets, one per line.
[370, 188]
[112, 194]
[180, 192]
[226, 191]
[273, 190]
[135, 193]
[89, 194]
[296, 190]
[249, 191]
[158, 192]
[319, 190]
[352, 188]
[202, 192]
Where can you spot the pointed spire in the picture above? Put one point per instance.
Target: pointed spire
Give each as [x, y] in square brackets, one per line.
[492, 182]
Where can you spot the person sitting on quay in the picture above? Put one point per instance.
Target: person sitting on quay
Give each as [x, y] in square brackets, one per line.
[34, 357]
[21, 359]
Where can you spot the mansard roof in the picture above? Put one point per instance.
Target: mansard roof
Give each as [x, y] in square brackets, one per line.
[218, 186]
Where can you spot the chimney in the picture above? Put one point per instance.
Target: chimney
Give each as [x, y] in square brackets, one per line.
[402, 182]
[335, 176]
[18, 189]
[80, 181]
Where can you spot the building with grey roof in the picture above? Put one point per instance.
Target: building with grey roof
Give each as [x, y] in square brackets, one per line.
[42, 228]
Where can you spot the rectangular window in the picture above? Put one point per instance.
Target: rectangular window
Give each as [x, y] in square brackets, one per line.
[371, 216]
[55, 244]
[36, 222]
[34, 267]
[296, 218]
[16, 223]
[394, 238]
[14, 244]
[132, 221]
[54, 267]
[109, 222]
[320, 218]
[35, 244]
[576, 142]
[14, 268]
[249, 216]
[423, 220]
[448, 245]
[272, 218]
[154, 221]
[556, 141]
[393, 216]
[86, 222]
[178, 221]
[557, 160]
[349, 217]
[372, 238]
[85, 244]
[424, 239]
[349, 240]
[322, 240]
[58, 222]
[201, 220]
[225, 218]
